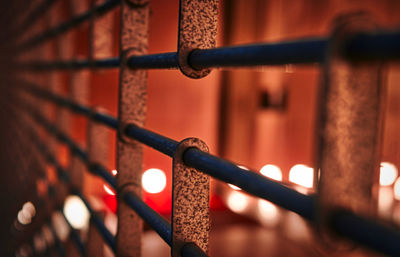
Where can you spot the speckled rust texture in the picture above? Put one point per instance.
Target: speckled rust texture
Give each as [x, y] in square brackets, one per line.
[132, 109]
[190, 207]
[197, 30]
[350, 136]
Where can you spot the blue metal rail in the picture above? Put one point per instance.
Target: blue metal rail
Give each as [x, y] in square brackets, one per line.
[360, 229]
[365, 47]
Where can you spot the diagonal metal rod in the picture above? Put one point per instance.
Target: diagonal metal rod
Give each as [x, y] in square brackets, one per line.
[63, 27]
[262, 187]
[374, 46]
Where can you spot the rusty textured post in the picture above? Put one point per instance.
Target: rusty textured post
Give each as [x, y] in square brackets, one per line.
[197, 30]
[190, 201]
[350, 126]
[131, 109]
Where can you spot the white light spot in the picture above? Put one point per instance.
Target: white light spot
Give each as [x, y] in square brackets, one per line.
[302, 175]
[76, 212]
[114, 172]
[272, 171]
[29, 208]
[397, 189]
[388, 174]
[24, 217]
[237, 202]
[268, 212]
[234, 187]
[154, 181]
[108, 190]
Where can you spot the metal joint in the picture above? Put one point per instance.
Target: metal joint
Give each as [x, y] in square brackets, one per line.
[197, 30]
[190, 206]
[350, 129]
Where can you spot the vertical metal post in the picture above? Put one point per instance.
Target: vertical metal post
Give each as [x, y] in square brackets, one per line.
[197, 30]
[131, 109]
[350, 126]
[190, 201]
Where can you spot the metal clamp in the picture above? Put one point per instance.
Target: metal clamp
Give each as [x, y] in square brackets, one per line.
[190, 206]
[349, 128]
[197, 30]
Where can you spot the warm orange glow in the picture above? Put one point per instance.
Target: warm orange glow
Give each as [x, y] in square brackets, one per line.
[388, 174]
[272, 171]
[302, 175]
[268, 212]
[154, 181]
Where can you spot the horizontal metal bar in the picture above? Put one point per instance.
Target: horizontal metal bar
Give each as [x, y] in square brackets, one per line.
[374, 46]
[154, 61]
[367, 232]
[32, 18]
[105, 233]
[102, 172]
[162, 144]
[377, 46]
[302, 51]
[98, 10]
[251, 182]
[151, 217]
[71, 64]
[350, 225]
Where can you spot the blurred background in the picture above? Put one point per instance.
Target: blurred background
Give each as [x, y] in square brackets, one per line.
[262, 119]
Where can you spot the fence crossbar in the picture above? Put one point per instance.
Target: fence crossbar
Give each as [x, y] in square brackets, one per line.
[363, 47]
[63, 27]
[64, 176]
[262, 187]
[32, 17]
[151, 217]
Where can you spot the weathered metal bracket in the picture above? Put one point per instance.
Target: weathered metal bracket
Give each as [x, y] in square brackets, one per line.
[349, 127]
[197, 30]
[190, 206]
[131, 109]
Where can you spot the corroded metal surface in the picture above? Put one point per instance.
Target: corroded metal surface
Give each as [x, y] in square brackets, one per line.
[131, 109]
[350, 130]
[190, 206]
[197, 30]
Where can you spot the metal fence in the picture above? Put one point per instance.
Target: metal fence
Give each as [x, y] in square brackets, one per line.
[352, 50]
